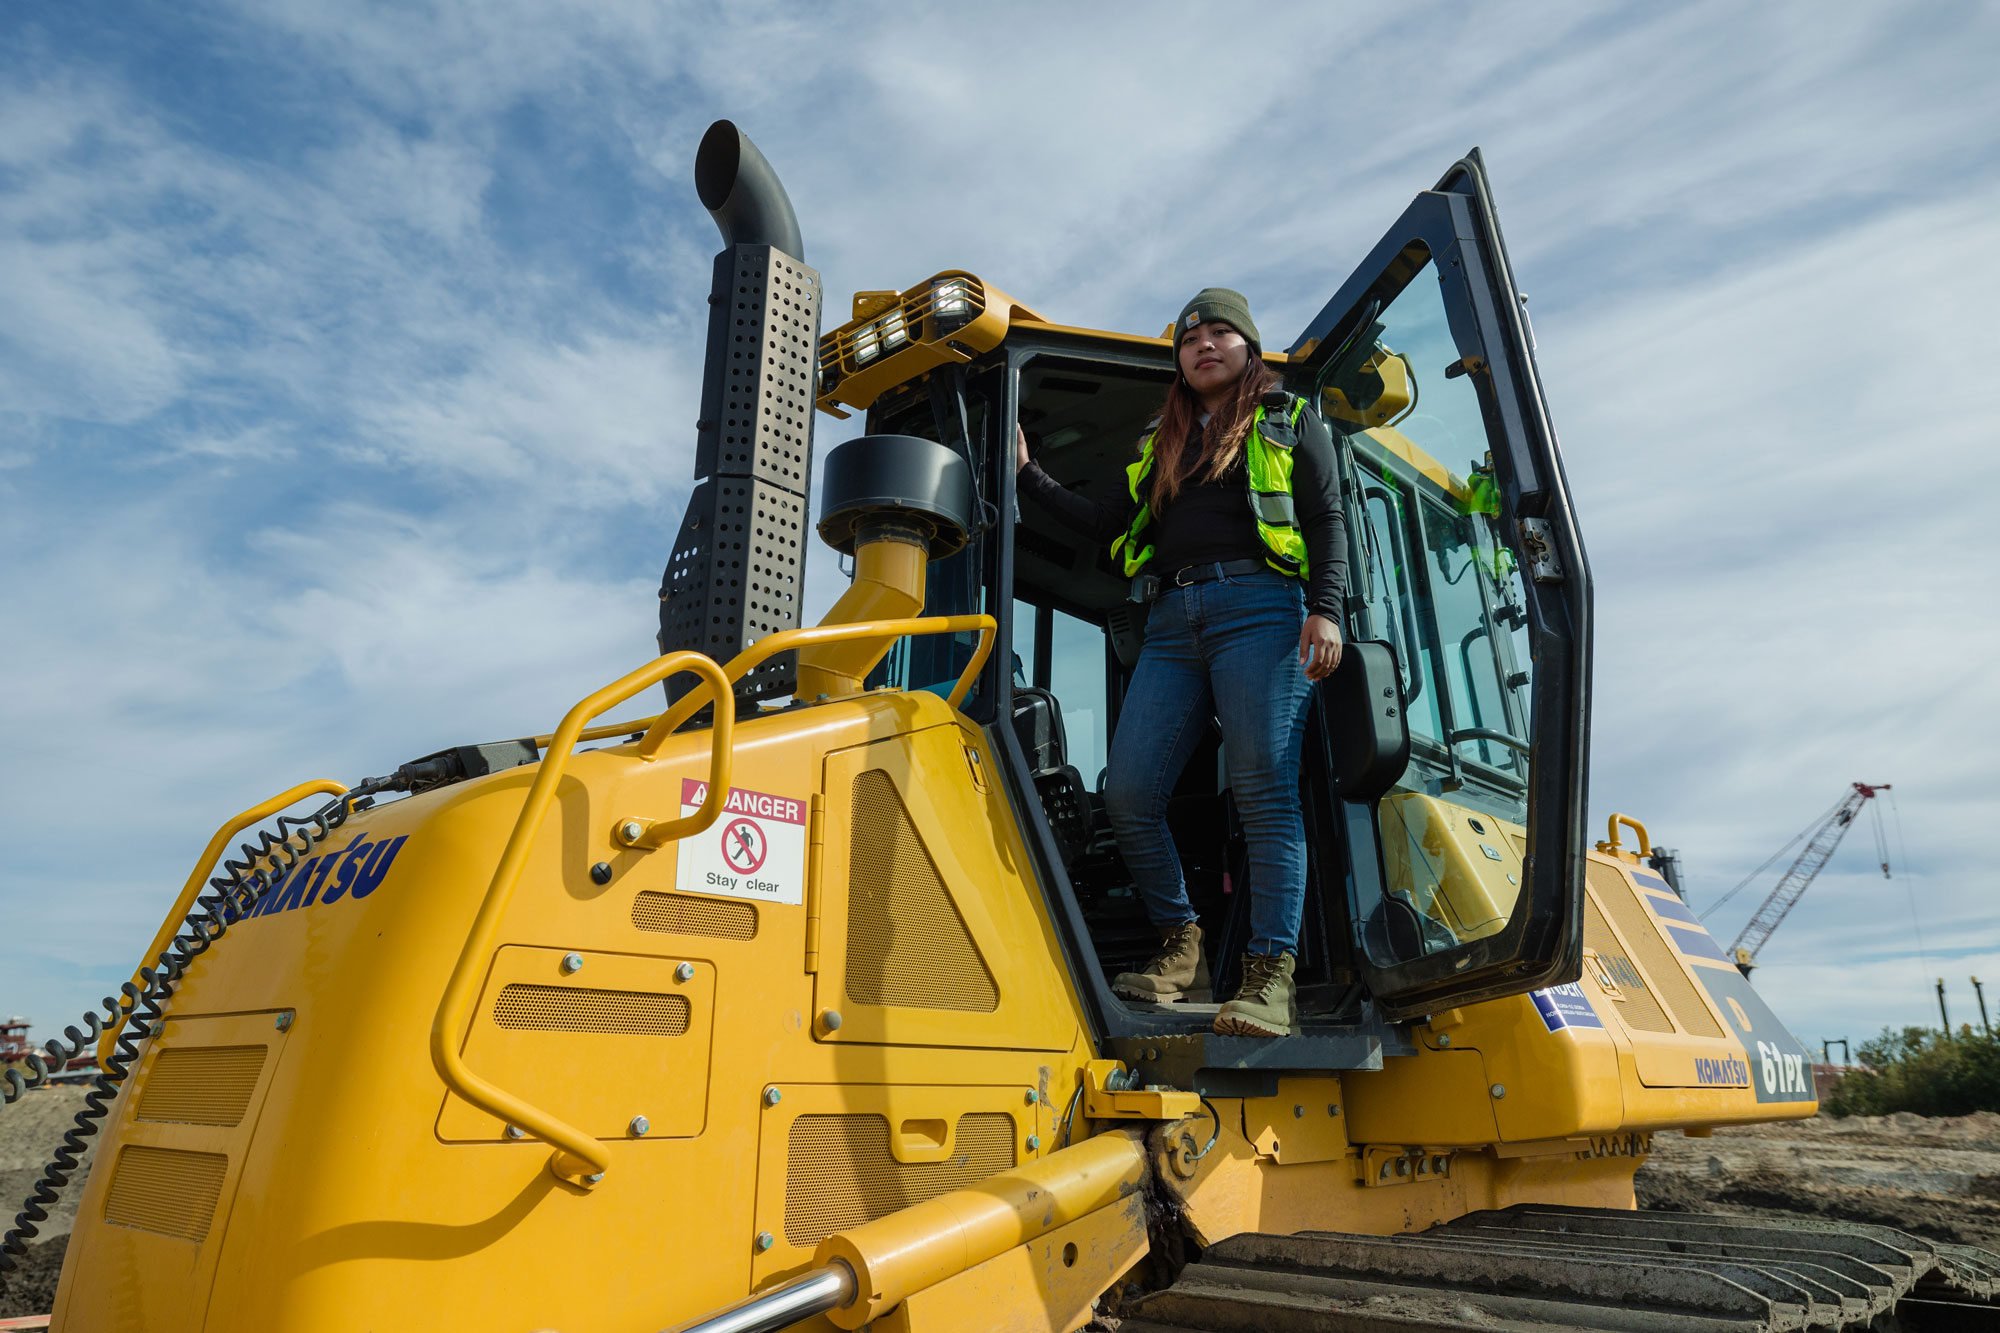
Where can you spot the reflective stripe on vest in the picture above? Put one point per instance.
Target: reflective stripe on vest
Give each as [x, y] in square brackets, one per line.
[1267, 469]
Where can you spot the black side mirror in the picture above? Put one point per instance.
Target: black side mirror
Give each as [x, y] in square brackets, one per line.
[1367, 734]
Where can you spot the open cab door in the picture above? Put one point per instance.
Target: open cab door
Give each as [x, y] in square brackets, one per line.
[1470, 606]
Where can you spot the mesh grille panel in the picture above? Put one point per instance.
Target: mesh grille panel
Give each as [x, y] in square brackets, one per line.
[201, 1085]
[676, 914]
[906, 943]
[839, 1172]
[1644, 933]
[580, 1009]
[1637, 1007]
[166, 1190]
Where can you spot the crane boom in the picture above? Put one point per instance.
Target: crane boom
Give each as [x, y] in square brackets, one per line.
[1791, 887]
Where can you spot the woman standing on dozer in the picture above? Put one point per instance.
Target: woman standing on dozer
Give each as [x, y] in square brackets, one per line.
[1234, 532]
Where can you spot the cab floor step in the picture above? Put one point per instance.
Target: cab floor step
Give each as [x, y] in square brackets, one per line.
[1533, 1267]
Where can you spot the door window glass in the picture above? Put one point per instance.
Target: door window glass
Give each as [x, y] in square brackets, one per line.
[1459, 565]
[1389, 589]
[1439, 584]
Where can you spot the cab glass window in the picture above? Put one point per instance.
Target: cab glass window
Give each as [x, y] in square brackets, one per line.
[1436, 580]
[1077, 676]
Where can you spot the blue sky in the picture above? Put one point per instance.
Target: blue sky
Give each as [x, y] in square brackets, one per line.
[349, 359]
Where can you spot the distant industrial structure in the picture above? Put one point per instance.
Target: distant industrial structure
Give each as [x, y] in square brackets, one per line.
[17, 1050]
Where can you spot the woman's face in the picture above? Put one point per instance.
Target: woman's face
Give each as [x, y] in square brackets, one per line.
[1212, 357]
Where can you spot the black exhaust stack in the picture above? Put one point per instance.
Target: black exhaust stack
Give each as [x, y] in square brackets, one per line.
[738, 566]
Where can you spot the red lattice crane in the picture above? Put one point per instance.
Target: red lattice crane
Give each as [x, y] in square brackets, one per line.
[1821, 841]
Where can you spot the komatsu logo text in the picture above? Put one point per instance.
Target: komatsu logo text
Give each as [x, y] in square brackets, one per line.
[353, 872]
[1728, 1072]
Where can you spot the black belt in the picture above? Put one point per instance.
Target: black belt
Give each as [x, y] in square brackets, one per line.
[1149, 587]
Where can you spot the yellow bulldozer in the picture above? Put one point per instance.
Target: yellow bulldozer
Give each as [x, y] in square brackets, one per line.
[789, 1006]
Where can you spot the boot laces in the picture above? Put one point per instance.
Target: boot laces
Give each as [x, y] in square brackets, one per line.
[1169, 950]
[1260, 975]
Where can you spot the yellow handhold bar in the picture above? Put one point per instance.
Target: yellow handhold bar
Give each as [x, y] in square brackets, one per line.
[859, 630]
[578, 1157]
[203, 868]
[1611, 843]
[744, 662]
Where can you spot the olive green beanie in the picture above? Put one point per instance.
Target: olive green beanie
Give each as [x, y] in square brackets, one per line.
[1218, 303]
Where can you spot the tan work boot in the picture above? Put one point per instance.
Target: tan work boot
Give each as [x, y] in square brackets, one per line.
[1267, 1003]
[1177, 972]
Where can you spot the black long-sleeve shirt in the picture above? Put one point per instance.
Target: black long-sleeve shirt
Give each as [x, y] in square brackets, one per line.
[1211, 521]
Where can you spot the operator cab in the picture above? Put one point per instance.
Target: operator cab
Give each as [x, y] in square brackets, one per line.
[1441, 779]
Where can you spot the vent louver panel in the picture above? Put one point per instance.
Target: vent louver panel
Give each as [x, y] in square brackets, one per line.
[840, 1173]
[906, 943]
[201, 1085]
[1650, 951]
[678, 914]
[581, 1009]
[167, 1191]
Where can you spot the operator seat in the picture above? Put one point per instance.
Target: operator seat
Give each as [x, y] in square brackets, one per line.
[1038, 724]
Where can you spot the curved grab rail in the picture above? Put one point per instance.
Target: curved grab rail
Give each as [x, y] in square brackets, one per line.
[203, 868]
[641, 723]
[1490, 734]
[578, 1157]
[1611, 843]
[744, 662]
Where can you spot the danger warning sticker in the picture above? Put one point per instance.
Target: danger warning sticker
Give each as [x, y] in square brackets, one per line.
[756, 850]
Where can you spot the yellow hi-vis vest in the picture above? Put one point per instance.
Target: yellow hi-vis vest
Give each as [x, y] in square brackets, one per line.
[1267, 468]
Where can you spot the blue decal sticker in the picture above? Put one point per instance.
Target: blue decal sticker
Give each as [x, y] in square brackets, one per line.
[1673, 909]
[1653, 882]
[1695, 942]
[1565, 1007]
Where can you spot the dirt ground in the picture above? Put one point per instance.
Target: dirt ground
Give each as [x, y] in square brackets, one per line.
[1936, 1178]
[30, 1130]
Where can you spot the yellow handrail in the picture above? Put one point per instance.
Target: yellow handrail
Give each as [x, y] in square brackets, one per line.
[203, 868]
[1611, 843]
[771, 645]
[604, 731]
[578, 1157]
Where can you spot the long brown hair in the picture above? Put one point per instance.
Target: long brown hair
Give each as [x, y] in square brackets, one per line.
[1174, 463]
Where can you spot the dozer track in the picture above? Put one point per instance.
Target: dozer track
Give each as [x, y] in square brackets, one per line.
[1535, 1267]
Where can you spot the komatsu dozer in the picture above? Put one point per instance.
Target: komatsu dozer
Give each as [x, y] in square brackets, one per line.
[789, 1006]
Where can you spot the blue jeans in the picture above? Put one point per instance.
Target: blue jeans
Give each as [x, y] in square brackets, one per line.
[1229, 647]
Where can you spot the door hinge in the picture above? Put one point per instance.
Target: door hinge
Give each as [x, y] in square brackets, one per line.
[1539, 542]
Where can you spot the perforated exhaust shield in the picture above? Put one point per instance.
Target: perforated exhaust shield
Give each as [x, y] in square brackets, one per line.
[738, 567]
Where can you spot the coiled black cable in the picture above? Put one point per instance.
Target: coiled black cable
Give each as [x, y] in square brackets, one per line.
[235, 895]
